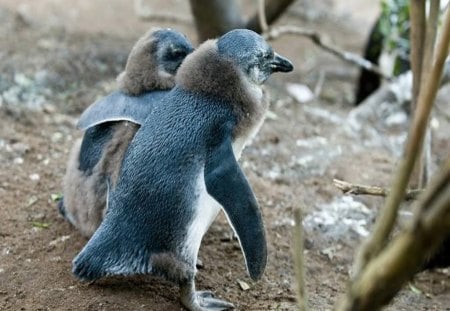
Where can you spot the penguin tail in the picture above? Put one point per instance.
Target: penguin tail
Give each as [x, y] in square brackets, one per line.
[86, 266]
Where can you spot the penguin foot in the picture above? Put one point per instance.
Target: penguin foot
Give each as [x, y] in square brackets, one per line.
[202, 301]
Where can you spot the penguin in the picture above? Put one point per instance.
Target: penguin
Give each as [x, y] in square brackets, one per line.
[181, 169]
[111, 122]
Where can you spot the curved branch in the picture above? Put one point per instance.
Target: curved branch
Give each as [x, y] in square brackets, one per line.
[274, 9]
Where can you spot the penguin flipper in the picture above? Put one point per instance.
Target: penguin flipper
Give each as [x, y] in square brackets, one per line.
[119, 106]
[227, 184]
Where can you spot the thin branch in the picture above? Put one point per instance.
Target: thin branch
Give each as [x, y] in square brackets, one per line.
[262, 16]
[273, 9]
[385, 222]
[430, 37]
[417, 38]
[356, 189]
[299, 261]
[146, 14]
[385, 275]
[316, 38]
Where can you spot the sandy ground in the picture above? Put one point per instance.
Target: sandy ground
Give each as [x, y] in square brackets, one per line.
[57, 57]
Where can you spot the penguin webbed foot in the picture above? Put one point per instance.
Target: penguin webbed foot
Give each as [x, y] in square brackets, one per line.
[202, 300]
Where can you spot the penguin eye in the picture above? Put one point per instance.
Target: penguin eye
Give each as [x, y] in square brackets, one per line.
[268, 55]
[177, 53]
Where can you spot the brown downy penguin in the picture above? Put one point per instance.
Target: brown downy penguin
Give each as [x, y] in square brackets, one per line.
[149, 74]
[181, 169]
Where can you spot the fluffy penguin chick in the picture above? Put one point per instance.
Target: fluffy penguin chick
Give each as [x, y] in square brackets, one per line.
[149, 74]
[181, 168]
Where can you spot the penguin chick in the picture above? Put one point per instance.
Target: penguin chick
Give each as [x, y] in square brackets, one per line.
[151, 66]
[108, 132]
[181, 169]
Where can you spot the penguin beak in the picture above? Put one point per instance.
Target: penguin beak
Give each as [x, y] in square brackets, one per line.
[281, 64]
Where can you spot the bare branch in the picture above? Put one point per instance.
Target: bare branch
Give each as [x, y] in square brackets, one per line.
[356, 189]
[430, 38]
[262, 16]
[146, 14]
[424, 164]
[385, 222]
[384, 276]
[417, 38]
[316, 38]
[299, 261]
[273, 9]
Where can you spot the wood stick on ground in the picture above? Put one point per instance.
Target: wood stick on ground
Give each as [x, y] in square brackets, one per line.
[299, 261]
[386, 220]
[384, 276]
[357, 189]
[316, 38]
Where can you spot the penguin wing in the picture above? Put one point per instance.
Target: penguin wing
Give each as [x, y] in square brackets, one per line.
[119, 106]
[227, 184]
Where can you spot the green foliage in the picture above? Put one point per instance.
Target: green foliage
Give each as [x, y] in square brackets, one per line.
[394, 25]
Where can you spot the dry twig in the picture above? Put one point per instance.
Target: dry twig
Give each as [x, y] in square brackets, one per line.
[384, 276]
[316, 38]
[299, 261]
[385, 222]
[356, 189]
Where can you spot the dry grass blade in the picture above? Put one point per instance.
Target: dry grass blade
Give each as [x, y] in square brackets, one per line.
[299, 261]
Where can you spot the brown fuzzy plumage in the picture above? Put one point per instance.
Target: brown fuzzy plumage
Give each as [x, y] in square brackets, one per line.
[85, 195]
[205, 71]
[141, 72]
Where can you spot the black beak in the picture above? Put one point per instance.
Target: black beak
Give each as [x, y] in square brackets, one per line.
[279, 63]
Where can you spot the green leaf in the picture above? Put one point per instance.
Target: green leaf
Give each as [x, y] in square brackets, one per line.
[41, 225]
[56, 197]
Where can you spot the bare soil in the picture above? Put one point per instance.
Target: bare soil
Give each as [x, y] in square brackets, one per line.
[58, 57]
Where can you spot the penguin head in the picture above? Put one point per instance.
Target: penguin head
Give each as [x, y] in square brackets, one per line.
[252, 55]
[154, 61]
[171, 47]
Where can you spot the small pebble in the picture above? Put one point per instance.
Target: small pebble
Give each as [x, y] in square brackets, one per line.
[18, 161]
[243, 285]
[35, 177]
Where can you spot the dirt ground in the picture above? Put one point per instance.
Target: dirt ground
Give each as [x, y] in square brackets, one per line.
[57, 57]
